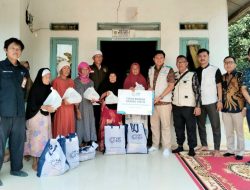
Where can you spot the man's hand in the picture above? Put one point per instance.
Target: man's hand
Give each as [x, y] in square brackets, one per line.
[219, 106]
[197, 111]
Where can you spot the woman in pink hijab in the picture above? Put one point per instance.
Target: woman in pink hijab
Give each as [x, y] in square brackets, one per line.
[85, 124]
[130, 83]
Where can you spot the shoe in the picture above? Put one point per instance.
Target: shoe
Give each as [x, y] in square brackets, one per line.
[166, 152]
[238, 157]
[227, 154]
[203, 148]
[1, 183]
[152, 149]
[177, 150]
[216, 153]
[19, 173]
[191, 152]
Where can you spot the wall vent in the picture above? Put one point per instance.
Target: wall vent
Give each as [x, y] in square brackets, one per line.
[193, 26]
[64, 26]
[131, 26]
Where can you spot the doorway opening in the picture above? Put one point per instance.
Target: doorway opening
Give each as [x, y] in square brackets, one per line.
[119, 55]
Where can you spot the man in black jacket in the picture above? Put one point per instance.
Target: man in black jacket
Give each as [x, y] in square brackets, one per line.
[13, 78]
[98, 75]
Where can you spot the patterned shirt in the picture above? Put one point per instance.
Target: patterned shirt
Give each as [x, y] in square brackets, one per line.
[232, 98]
[170, 78]
[246, 83]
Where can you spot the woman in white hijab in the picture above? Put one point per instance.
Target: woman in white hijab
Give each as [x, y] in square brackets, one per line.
[64, 119]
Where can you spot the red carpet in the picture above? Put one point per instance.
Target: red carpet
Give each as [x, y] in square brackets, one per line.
[217, 173]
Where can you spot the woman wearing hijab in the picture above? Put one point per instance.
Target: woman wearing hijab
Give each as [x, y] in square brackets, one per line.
[85, 124]
[38, 116]
[109, 114]
[64, 119]
[130, 83]
[134, 77]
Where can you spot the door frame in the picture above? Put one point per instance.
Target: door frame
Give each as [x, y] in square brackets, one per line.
[53, 52]
[184, 41]
[158, 40]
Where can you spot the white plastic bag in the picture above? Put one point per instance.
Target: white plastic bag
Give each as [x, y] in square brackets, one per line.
[91, 94]
[53, 160]
[111, 98]
[114, 139]
[54, 99]
[136, 138]
[139, 86]
[88, 152]
[72, 150]
[72, 96]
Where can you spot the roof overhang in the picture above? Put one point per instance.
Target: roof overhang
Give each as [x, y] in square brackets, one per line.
[237, 9]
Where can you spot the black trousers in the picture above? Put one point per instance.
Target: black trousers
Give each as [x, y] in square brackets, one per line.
[213, 115]
[184, 117]
[14, 129]
[97, 114]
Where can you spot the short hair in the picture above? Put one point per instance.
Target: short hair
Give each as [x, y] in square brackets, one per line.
[202, 50]
[248, 52]
[159, 52]
[229, 57]
[13, 40]
[181, 56]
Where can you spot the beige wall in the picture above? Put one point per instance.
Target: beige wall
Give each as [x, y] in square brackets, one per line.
[88, 13]
[9, 22]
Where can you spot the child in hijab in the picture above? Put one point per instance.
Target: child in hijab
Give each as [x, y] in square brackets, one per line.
[64, 119]
[38, 116]
[85, 124]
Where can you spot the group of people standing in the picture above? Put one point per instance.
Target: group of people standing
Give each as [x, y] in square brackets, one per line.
[190, 96]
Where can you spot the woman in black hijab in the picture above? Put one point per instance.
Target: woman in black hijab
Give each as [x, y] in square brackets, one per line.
[38, 116]
[109, 114]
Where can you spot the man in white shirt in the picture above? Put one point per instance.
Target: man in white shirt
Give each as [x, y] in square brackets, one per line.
[210, 79]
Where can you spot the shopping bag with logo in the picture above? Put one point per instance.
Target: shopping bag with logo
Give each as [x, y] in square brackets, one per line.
[72, 96]
[54, 99]
[88, 152]
[72, 150]
[136, 138]
[53, 160]
[114, 139]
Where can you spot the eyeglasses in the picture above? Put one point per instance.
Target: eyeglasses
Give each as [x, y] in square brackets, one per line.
[229, 62]
[14, 49]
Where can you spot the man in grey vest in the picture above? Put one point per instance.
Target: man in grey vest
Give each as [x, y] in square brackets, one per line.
[161, 80]
[186, 105]
[210, 79]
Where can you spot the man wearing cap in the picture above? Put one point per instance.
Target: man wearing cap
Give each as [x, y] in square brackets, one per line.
[98, 76]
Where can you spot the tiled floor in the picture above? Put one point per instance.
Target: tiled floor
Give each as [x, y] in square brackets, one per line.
[116, 172]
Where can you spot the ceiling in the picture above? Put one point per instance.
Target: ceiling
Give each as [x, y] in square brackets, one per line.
[237, 9]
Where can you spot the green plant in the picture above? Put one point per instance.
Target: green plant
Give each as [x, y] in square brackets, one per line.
[239, 41]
